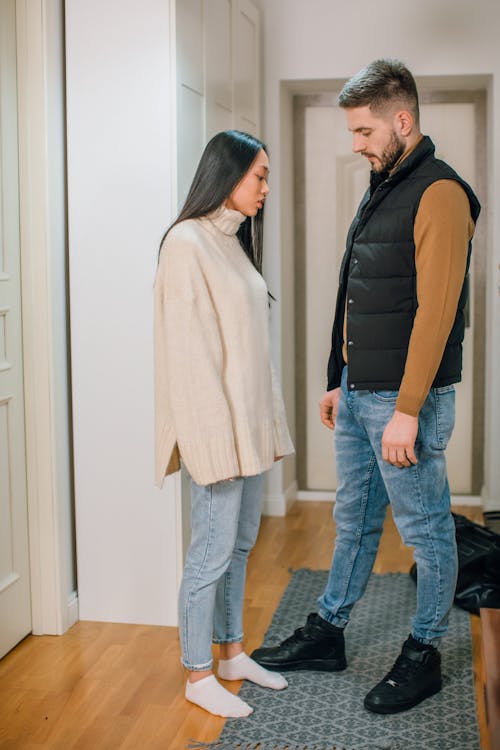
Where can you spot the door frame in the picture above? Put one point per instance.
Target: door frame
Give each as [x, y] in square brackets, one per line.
[40, 77]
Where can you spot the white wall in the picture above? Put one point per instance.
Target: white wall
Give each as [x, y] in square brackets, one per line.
[119, 97]
[324, 40]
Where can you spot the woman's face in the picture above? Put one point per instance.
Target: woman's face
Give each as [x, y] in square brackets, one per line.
[249, 194]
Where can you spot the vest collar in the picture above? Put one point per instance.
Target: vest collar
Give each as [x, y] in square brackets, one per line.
[423, 150]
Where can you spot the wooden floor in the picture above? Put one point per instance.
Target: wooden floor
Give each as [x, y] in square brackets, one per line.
[120, 687]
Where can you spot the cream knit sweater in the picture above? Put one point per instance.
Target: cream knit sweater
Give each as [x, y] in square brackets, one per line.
[218, 404]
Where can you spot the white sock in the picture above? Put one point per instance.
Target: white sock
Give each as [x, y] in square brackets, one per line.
[210, 695]
[242, 667]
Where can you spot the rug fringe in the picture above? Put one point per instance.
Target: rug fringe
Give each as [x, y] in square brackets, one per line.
[242, 745]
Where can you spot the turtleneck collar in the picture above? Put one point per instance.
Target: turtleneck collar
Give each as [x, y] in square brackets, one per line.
[226, 219]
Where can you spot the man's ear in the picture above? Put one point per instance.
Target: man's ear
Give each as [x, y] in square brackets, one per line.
[404, 122]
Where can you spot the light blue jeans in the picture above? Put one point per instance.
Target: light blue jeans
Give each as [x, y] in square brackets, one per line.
[225, 519]
[420, 501]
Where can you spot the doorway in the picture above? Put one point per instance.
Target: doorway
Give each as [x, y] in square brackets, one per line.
[330, 181]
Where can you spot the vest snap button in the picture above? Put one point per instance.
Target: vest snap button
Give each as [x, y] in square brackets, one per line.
[352, 386]
[351, 301]
[349, 343]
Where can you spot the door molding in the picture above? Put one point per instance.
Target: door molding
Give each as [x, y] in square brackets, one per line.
[477, 97]
[42, 213]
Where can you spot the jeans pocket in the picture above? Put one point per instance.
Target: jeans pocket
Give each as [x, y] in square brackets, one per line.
[444, 389]
[385, 396]
[445, 415]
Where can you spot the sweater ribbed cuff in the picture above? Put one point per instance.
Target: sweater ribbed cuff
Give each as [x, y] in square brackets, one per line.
[210, 458]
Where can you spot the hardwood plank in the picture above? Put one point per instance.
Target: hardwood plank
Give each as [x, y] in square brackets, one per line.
[490, 636]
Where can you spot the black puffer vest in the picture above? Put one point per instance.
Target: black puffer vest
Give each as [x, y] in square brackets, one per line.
[378, 280]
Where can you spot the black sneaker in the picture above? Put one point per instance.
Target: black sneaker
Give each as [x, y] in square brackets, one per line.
[317, 646]
[416, 675]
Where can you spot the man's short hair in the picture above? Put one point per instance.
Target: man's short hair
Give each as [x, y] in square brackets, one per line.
[381, 85]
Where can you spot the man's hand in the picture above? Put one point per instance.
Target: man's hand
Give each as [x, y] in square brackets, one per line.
[328, 407]
[398, 440]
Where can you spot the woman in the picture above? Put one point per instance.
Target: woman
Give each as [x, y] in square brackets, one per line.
[218, 405]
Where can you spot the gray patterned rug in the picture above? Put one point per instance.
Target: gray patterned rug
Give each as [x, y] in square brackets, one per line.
[324, 711]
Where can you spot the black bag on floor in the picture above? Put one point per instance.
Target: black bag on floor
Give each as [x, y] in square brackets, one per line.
[478, 583]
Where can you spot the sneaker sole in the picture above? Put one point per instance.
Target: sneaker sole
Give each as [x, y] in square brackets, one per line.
[401, 706]
[314, 665]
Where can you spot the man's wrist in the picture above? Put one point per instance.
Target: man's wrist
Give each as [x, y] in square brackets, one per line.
[407, 405]
[399, 413]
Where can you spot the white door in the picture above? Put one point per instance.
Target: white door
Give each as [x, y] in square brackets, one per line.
[218, 78]
[15, 609]
[335, 180]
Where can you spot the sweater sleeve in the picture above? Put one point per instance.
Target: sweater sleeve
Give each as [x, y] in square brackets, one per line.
[442, 231]
[194, 354]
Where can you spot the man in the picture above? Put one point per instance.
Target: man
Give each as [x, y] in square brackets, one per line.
[396, 352]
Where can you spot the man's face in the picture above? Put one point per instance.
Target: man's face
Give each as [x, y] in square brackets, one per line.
[375, 137]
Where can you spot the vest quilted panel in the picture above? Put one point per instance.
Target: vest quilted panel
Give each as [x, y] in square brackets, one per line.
[378, 280]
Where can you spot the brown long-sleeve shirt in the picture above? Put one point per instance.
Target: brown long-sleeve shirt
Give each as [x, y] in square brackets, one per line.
[442, 231]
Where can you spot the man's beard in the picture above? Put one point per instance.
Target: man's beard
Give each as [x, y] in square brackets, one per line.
[391, 154]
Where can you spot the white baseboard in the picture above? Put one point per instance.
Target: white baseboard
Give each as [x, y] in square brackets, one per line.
[73, 612]
[316, 495]
[473, 500]
[324, 496]
[279, 504]
[490, 504]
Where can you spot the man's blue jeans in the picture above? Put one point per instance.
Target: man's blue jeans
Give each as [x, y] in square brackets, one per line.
[225, 519]
[420, 501]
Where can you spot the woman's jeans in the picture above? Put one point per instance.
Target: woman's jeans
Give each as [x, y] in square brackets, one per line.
[225, 520]
[420, 501]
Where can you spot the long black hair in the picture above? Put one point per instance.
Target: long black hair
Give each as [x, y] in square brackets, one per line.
[225, 161]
